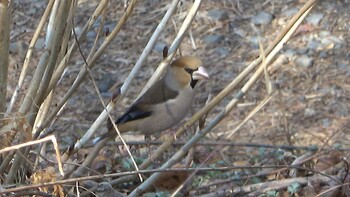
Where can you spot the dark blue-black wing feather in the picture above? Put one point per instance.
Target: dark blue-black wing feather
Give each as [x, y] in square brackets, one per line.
[133, 113]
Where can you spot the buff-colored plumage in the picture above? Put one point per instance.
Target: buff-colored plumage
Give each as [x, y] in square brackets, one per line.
[165, 103]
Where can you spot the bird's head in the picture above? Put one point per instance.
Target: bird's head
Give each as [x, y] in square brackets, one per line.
[188, 70]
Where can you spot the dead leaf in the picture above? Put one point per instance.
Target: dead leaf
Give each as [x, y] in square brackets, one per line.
[170, 181]
[104, 161]
[326, 161]
[44, 176]
[201, 153]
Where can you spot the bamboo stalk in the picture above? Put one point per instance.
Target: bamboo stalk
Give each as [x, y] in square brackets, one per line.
[5, 21]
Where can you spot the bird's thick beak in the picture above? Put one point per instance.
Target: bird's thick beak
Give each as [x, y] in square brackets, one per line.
[200, 74]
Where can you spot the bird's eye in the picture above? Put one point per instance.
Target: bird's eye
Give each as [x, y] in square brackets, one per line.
[188, 70]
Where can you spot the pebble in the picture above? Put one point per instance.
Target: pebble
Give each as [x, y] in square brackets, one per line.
[222, 52]
[326, 122]
[290, 53]
[309, 112]
[315, 18]
[303, 50]
[331, 42]
[290, 12]
[72, 102]
[344, 67]
[323, 54]
[313, 44]
[240, 32]
[254, 41]
[324, 40]
[262, 18]
[91, 35]
[13, 47]
[106, 82]
[304, 61]
[218, 14]
[40, 43]
[159, 46]
[213, 39]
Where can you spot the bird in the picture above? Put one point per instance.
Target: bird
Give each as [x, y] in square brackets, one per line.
[165, 103]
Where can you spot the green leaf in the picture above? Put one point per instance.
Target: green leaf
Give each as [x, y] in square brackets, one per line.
[294, 188]
[272, 193]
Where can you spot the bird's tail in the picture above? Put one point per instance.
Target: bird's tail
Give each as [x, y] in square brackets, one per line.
[99, 138]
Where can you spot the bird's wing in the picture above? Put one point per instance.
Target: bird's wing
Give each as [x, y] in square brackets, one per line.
[143, 107]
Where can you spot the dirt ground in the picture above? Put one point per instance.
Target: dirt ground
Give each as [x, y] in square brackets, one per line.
[312, 105]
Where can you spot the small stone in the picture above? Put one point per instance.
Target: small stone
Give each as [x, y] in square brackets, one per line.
[326, 122]
[315, 18]
[303, 50]
[322, 54]
[159, 46]
[254, 41]
[13, 47]
[106, 94]
[72, 102]
[303, 61]
[91, 35]
[262, 18]
[213, 39]
[67, 140]
[310, 53]
[325, 33]
[105, 189]
[232, 26]
[40, 43]
[222, 52]
[290, 53]
[240, 32]
[290, 12]
[344, 67]
[110, 25]
[330, 42]
[106, 82]
[309, 112]
[302, 98]
[313, 44]
[218, 14]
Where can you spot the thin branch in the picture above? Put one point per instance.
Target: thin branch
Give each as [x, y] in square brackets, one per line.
[88, 25]
[175, 45]
[82, 74]
[5, 21]
[51, 138]
[253, 112]
[149, 46]
[29, 54]
[261, 188]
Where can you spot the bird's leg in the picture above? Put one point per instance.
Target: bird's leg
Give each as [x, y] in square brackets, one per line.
[148, 139]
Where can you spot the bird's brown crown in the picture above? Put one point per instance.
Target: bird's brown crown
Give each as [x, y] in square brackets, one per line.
[187, 61]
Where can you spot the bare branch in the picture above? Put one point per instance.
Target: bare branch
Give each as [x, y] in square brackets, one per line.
[5, 21]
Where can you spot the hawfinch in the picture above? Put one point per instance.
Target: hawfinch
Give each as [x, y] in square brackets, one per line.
[165, 103]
